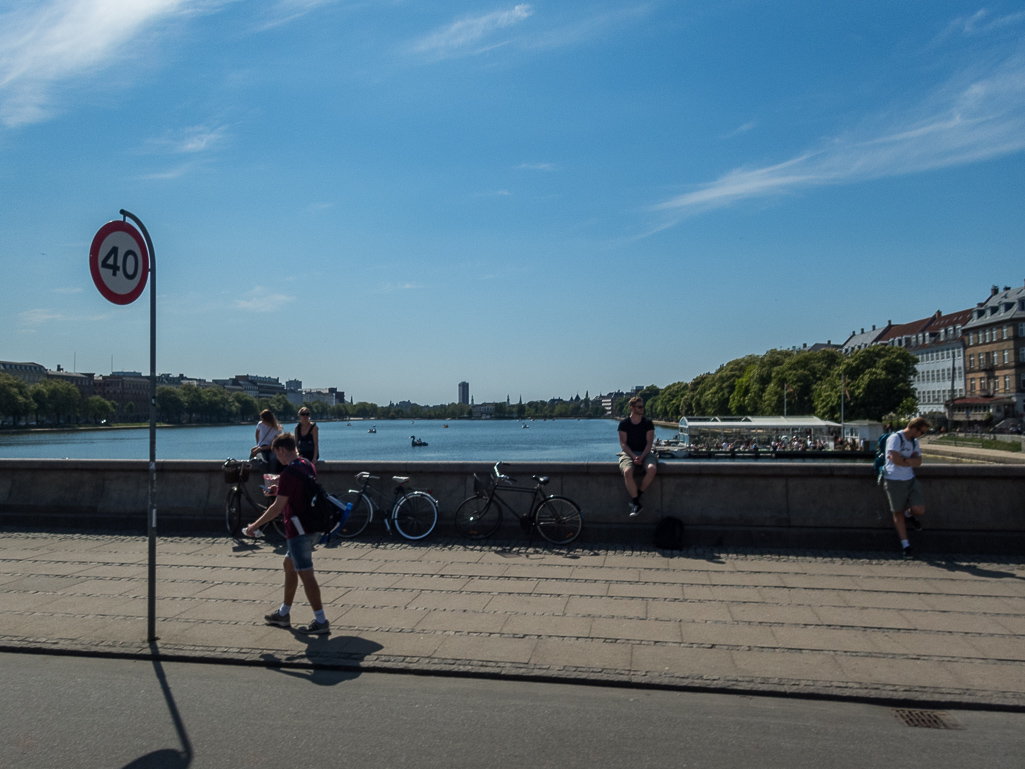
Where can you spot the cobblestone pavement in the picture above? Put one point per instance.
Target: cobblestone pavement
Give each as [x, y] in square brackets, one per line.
[944, 631]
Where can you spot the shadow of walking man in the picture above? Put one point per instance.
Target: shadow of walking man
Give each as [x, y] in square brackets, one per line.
[327, 661]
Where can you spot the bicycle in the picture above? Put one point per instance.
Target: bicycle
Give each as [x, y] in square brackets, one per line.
[414, 514]
[236, 473]
[555, 518]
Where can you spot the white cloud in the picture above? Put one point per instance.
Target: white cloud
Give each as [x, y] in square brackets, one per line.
[67, 290]
[472, 35]
[535, 167]
[388, 288]
[261, 299]
[965, 121]
[43, 45]
[29, 320]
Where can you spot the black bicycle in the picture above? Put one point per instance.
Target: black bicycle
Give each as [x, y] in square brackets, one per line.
[236, 473]
[555, 518]
[413, 514]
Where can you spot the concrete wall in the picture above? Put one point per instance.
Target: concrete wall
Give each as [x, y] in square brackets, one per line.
[970, 508]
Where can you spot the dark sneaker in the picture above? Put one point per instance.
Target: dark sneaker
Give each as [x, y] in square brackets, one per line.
[316, 628]
[908, 554]
[913, 522]
[635, 509]
[275, 618]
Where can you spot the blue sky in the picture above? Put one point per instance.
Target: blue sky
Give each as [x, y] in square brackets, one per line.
[541, 198]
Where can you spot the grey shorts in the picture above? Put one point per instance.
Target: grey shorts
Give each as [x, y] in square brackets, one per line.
[904, 494]
[300, 551]
[626, 461]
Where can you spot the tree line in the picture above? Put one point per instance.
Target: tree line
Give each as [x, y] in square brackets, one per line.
[877, 384]
[50, 400]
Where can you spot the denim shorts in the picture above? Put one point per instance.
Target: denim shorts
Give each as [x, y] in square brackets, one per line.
[300, 550]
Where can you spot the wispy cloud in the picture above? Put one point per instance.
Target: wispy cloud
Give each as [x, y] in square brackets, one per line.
[472, 35]
[967, 120]
[285, 11]
[30, 320]
[388, 288]
[44, 45]
[67, 290]
[190, 140]
[536, 167]
[741, 130]
[261, 299]
[982, 22]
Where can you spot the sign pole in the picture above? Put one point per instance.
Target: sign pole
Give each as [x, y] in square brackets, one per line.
[151, 623]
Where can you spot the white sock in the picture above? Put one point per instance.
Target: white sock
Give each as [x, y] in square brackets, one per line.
[319, 616]
[905, 543]
[284, 610]
[907, 513]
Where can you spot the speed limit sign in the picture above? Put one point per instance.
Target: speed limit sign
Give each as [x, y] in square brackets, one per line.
[119, 262]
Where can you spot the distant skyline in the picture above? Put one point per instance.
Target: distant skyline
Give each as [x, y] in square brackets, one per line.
[536, 198]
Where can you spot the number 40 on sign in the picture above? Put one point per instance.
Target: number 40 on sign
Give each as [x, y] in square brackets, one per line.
[119, 262]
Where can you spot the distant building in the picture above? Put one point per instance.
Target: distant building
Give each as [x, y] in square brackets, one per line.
[332, 396]
[483, 410]
[29, 373]
[995, 349]
[129, 393]
[464, 393]
[859, 341]
[84, 382]
[260, 386]
[940, 375]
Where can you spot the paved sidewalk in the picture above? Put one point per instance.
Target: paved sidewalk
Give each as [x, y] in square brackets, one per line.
[942, 633]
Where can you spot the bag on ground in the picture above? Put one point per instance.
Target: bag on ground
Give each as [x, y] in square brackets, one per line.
[669, 534]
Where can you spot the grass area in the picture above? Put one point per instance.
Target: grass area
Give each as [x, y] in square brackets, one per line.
[974, 442]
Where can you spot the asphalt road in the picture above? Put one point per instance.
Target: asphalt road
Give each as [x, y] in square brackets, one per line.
[60, 711]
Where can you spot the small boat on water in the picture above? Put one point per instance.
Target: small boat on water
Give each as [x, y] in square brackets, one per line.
[372, 429]
[414, 441]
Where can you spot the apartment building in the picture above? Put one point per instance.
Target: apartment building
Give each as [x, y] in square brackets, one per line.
[995, 354]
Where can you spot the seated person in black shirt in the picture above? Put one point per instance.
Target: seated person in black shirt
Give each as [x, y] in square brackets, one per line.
[636, 435]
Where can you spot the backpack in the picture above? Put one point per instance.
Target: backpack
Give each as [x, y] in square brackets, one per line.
[323, 512]
[880, 461]
[669, 534]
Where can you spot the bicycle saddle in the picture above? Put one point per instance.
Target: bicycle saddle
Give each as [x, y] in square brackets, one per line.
[542, 479]
[400, 479]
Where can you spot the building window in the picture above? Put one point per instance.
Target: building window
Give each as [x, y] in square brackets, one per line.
[1021, 329]
[971, 338]
[971, 384]
[1007, 383]
[971, 361]
[1007, 354]
[1007, 332]
[1021, 354]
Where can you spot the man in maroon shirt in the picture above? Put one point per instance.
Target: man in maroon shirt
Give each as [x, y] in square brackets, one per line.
[291, 501]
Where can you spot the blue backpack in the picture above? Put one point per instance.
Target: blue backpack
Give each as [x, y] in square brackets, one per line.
[880, 461]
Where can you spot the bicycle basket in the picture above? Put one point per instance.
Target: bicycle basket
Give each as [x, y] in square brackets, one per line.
[235, 471]
[482, 484]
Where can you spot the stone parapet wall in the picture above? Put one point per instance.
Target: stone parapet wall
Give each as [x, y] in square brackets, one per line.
[970, 508]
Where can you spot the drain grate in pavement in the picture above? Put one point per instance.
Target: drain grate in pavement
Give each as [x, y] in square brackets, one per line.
[927, 719]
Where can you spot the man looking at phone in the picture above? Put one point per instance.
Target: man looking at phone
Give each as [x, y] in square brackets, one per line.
[291, 502]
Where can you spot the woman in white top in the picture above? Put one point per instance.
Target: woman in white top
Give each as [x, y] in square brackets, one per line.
[267, 429]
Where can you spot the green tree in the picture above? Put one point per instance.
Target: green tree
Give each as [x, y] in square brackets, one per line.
[55, 399]
[15, 400]
[170, 404]
[99, 409]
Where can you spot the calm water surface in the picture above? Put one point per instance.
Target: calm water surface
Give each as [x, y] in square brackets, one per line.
[587, 440]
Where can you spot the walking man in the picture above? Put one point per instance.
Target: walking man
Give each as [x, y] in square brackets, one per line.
[636, 436]
[291, 502]
[903, 490]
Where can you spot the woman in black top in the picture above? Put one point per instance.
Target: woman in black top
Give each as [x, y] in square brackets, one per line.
[307, 438]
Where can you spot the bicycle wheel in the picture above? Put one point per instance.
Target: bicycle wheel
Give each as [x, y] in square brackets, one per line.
[233, 512]
[415, 515]
[360, 517]
[558, 520]
[478, 518]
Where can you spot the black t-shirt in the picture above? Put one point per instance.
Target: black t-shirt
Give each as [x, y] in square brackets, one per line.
[636, 435]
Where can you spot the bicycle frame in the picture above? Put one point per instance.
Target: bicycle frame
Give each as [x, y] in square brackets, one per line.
[369, 500]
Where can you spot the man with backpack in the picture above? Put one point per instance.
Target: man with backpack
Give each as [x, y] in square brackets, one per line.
[293, 501]
[903, 490]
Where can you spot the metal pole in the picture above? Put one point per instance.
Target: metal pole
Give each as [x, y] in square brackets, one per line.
[151, 624]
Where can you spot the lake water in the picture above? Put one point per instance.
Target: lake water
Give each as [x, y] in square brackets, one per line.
[586, 440]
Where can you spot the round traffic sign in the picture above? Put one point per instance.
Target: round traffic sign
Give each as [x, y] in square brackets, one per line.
[119, 262]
